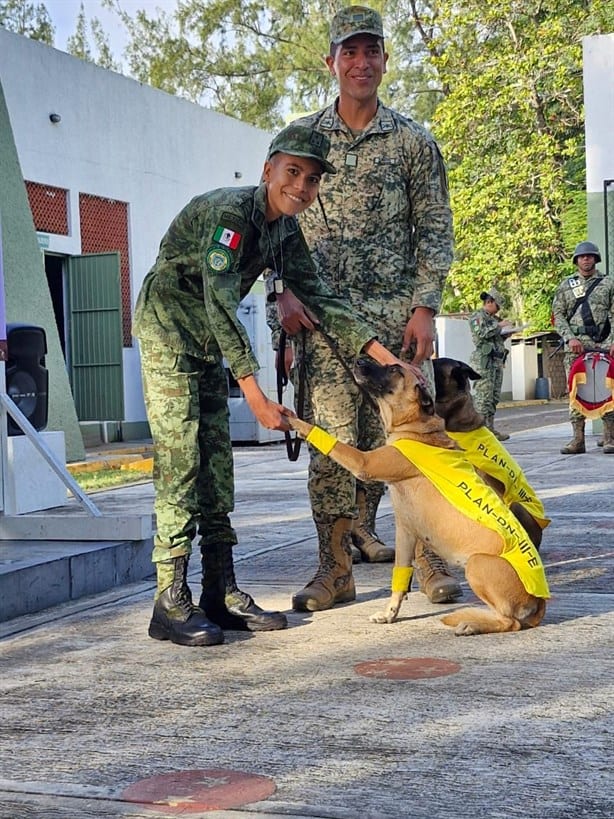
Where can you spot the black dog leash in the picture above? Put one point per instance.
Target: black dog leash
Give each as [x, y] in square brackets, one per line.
[293, 445]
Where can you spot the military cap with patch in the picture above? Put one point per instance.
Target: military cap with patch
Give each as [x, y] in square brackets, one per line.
[494, 295]
[298, 140]
[353, 20]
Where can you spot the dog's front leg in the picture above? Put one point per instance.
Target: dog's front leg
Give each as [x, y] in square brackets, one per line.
[404, 550]
[383, 464]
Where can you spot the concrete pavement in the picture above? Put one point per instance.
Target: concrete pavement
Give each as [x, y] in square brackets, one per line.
[336, 717]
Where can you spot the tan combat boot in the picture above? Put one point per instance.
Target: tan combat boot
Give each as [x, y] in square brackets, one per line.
[576, 446]
[433, 576]
[333, 582]
[608, 436]
[489, 422]
[364, 537]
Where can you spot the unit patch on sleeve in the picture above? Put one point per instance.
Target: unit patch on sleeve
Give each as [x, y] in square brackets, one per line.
[218, 259]
[227, 237]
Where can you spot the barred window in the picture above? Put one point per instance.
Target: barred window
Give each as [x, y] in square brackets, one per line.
[104, 229]
[49, 208]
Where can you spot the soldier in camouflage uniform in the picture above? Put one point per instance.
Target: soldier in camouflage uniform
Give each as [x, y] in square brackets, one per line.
[382, 237]
[488, 357]
[186, 322]
[583, 310]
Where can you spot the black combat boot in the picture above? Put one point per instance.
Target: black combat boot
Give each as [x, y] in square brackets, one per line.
[224, 603]
[175, 617]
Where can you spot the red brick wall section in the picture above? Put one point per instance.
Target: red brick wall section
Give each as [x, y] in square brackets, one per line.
[49, 208]
[104, 228]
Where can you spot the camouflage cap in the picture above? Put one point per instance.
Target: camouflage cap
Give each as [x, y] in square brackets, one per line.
[354, 20]
[298, 140]
[494, 295]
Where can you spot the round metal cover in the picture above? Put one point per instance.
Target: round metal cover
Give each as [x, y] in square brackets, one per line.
[407, 668]
[184, 792]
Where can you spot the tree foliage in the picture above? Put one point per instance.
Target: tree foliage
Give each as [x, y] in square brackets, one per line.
[498, 81]
[261, 62]
[512, 125]
[30, 19]
[79, 43]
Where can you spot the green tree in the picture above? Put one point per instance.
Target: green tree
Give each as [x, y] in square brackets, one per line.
[261, 62]
[498, 81]
[30, 19]
[511, 121]
[79, 43]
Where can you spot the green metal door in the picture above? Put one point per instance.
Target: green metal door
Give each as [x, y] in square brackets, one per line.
[95, 336]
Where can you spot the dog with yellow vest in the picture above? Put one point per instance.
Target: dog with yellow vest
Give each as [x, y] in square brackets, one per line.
[439, 498]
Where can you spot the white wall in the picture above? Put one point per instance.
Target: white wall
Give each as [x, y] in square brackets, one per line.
[122, 140]
[454, 341]
[598, 70]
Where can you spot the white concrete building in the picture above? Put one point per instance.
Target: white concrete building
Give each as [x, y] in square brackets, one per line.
[108, 162]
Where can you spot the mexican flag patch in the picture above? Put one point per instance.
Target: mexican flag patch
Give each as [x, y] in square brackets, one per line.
[228, 238]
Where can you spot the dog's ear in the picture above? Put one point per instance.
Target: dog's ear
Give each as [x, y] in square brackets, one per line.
[425, 399]
[463, 373]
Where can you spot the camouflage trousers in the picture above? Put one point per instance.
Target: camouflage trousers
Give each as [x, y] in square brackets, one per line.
[575, 414]
[487, 391]
[187, 407]
[334, 402]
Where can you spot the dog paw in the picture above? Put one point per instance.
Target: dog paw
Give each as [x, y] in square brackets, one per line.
[466, 629]
[387, 616]
[300, 426]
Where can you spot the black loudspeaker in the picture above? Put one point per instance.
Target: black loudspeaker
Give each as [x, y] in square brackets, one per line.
[27, 379]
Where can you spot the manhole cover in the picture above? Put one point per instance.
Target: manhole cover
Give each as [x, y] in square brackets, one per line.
[407, 668]
[184, 792]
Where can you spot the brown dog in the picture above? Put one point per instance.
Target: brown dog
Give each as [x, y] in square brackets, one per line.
[424, 511]
[453, 403]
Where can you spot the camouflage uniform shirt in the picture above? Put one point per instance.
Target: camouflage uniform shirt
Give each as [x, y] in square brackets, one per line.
[568, 314]
[384, 232]
[489, 344]
[209, 258]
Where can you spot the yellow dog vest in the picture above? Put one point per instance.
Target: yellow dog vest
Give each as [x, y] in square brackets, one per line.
[454, 477]
[485, 452]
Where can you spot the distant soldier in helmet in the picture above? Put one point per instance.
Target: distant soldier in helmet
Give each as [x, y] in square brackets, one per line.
[488, 331]
[583, 310]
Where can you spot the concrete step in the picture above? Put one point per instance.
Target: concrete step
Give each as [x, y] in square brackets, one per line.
[36, 574]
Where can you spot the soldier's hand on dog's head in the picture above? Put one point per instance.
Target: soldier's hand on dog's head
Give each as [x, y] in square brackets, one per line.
[408, 365]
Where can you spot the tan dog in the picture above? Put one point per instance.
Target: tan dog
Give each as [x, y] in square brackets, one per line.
[453, 403]
[423, 512]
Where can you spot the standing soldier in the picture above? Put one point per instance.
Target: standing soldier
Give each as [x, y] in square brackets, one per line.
[382, 238]
[488, 357]
[583, 309]
[186, 322]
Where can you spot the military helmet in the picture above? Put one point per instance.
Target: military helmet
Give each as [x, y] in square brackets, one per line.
[586, 249]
